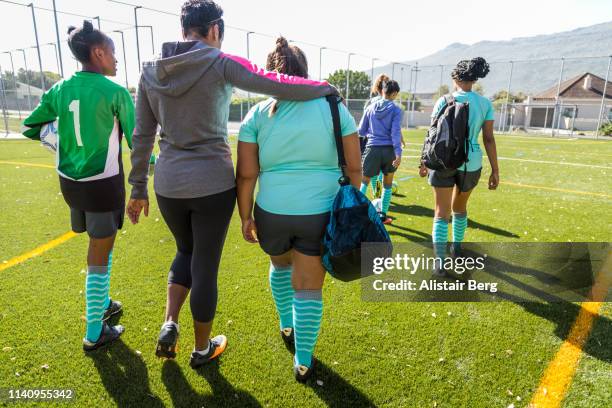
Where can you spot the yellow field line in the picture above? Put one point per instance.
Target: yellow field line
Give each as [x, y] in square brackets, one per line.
[45, 166]
[37, 251]
[558, 375]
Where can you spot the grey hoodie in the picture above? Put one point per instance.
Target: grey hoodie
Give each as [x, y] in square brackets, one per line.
[187, 92]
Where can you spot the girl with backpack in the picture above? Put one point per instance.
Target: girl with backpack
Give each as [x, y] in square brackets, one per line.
[452, 187]
[289, 147]
[381, 125]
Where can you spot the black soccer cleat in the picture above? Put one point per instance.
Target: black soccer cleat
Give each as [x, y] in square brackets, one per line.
[303, 373]
[107, 336]
[167, 341]
[113, 308]
[455, 250]
[288, 337]
[217, 346]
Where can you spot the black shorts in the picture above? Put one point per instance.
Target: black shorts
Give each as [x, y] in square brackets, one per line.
[377, 159]
[465, 180]
[278, 233]
[97, 224]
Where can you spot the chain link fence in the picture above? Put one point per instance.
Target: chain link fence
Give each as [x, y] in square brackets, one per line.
[552, 96]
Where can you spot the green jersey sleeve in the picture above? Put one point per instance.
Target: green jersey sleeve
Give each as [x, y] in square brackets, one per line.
[45, 112]
[124, 110]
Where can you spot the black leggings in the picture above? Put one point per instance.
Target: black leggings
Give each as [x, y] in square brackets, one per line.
[199, 226]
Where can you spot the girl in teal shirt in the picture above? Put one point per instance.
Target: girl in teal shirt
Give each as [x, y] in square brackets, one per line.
[452, 188]
[290, 148]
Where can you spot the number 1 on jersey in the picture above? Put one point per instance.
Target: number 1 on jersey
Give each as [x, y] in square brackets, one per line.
[74, 107]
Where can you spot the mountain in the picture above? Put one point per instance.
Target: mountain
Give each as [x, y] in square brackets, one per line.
[529, 77]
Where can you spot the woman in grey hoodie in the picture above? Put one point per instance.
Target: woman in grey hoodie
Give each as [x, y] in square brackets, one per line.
[187, 92]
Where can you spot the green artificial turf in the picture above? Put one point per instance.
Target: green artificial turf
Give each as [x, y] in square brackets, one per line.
[372, 354]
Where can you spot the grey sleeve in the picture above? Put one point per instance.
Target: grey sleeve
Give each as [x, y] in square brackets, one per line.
[247, 76]
[143, 141]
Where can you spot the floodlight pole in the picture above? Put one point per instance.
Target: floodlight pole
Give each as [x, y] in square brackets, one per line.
[555, 113]
[27, 75]
[14, 81]
[372, 76]
[321, 63]
[248, 50]
[124, 56]
[137, 39]
[4, 103]
[348, 75]
[57, 36]
[42, 75]
[152, 40]
[507, 95]
[603, 98]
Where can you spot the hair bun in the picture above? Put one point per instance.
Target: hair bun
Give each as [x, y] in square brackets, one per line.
[87, 26]
[71, 29]
[281, 42]
[479, 67]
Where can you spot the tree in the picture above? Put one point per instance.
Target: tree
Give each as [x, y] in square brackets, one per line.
[478, 89]
[442, 90]
[406, 98]
[499, 98]
[32, 78]
[359, 83]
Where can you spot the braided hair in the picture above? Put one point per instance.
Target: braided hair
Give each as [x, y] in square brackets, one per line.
[470, 70]
[82, 39]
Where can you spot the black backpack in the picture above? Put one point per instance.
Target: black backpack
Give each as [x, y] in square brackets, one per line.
[447, 142]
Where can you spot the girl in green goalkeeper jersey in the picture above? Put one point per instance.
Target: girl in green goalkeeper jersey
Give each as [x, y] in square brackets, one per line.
[93, 114]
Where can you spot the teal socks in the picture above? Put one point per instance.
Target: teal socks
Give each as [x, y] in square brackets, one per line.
[110, 266]
[307, 314]
[386, 198]
[439, 236]
[96, 292]
[459, 225]
[282, 292]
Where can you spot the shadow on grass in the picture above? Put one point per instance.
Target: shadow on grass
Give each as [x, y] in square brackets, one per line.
[124, 375]
[556, 310]
[223, 393]
[336, 391]
[420, 211]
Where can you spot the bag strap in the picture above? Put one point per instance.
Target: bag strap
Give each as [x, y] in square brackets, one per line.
[335, 112]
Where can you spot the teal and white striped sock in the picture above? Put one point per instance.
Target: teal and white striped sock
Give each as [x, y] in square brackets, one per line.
[282, 292]
[439, 236]
[386, 198]
[460, 222]
[364, 188]
[96, 291]
[307, 314]
[110, 266]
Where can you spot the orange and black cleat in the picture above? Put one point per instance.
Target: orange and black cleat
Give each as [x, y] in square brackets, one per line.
[217, 346]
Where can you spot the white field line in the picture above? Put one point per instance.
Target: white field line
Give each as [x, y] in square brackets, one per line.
[593, 166]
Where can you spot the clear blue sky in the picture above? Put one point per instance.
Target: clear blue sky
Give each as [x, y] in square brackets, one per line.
[392, 30]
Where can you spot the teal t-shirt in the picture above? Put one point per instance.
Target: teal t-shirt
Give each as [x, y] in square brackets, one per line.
[297, 155]
[481, 110]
